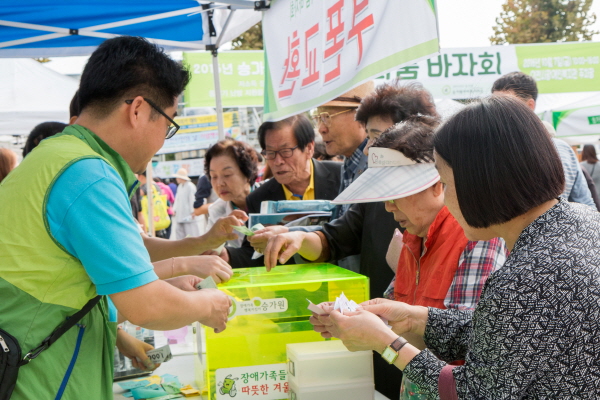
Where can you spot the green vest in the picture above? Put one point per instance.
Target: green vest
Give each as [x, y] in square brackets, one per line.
[42, 284]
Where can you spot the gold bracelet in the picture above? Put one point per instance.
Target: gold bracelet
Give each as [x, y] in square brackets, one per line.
[172, 267]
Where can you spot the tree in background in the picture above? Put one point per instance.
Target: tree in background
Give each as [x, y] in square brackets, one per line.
[543, 21]
[252, 39]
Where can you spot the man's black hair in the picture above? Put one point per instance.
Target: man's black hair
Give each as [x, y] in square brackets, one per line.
[503, 160]
[74, 109]
[521, 84]
[125, 67]
[301, 125]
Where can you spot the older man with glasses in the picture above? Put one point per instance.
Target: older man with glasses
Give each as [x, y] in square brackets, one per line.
[288, 147]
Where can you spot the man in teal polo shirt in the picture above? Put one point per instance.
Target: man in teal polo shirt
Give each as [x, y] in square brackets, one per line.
[67, 233]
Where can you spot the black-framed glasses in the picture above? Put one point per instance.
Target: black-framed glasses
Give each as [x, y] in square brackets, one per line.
[173, 128]
[284, 153]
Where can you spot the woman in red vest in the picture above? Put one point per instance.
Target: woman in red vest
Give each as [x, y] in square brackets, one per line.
[438, 266]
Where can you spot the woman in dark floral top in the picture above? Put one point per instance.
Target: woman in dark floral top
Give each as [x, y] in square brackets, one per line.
[535, 333]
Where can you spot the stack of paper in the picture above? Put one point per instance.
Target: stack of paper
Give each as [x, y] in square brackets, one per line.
[342, 304]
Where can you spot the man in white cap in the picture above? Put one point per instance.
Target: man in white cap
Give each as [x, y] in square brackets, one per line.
[184, 206]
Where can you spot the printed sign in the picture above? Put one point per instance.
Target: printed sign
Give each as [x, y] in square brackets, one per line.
[464, 73]
[167, 169]
[594, 120]
[200, 132]
[257, 306]
[265, 382]
[317, 50]
[242, 75]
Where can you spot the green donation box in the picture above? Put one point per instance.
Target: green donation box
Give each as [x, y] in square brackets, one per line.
[248, 359]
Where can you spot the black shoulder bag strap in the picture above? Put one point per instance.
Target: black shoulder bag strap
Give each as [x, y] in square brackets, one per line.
[60, 330]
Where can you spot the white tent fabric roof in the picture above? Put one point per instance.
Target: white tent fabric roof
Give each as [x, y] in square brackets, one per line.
[30, 94]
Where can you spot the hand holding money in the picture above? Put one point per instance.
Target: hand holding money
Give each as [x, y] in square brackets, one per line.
[160, 355]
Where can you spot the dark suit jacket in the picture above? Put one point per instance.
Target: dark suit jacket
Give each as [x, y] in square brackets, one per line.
[327, 184]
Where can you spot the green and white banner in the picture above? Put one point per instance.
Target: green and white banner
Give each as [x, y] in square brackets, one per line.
[317, 50]
[242, 75]
[578, 119]
[463, 73]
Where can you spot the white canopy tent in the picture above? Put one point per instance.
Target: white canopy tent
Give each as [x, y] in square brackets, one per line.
[43, 28]
[577, 122]
[30, 94]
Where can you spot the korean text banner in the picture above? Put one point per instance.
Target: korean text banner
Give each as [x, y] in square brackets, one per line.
[463, 73]
[242, 76]
[200, 132]
[317, 50]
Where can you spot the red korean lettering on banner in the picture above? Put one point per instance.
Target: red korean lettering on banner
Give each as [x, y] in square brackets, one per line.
[359, 28]
[292, 72]
[311, 57]
[336, 28]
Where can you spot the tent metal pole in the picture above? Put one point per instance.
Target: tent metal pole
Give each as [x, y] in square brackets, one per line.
[150, 198]
[219, 104]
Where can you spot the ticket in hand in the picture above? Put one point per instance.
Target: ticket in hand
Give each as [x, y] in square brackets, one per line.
[160, 355]
[341, 304]
[315, 308]
[208, 283]
[248, 231]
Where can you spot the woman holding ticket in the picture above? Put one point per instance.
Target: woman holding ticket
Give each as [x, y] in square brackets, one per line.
[534, 333]
[232, 167]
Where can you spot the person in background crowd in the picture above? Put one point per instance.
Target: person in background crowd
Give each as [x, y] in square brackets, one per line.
[343, 135]
[166, 190]
[592, 186]
[589, 161]
[78, 227]
[184, 206]
[163, 233]
[321, 153]
[232, 167]
[8, 162]
[288, 147]
[534, 332]
[524, 87]
[204, 196]
[41, 132]
[172, 186]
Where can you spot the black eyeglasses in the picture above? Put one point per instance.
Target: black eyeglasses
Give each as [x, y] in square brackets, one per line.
[172, 129]
[284, 153]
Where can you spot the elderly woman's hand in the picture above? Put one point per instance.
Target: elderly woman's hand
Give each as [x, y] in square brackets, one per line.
[400, 316]
[359, 330]
[222, 230]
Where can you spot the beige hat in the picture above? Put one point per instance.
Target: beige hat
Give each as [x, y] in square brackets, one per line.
[182, 174]
[353, 97]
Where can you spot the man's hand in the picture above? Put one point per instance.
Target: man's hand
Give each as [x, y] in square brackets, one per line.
[261, 237]
[222, 230]
[401, 316]
[207, 265]
[187, 283]
[135, 350]
[217, 307]
[282, 247]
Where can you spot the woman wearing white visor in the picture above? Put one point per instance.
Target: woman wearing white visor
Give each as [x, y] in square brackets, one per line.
[438, 266]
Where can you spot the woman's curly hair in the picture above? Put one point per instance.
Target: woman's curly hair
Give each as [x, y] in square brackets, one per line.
[244, 155]
[397, 101]
[413, 137]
